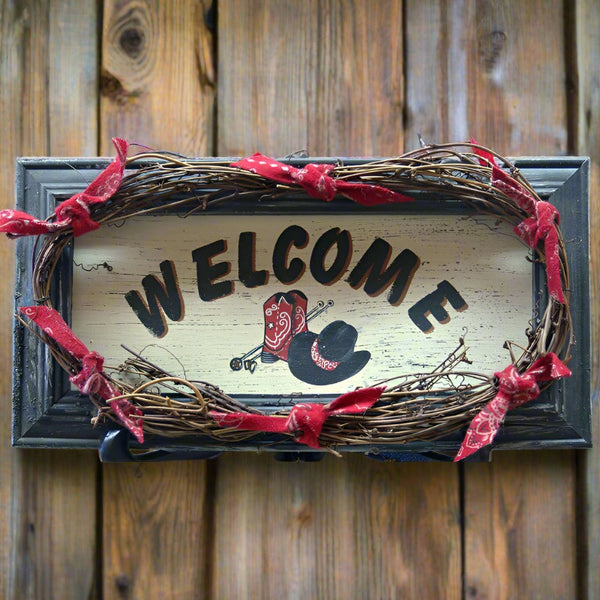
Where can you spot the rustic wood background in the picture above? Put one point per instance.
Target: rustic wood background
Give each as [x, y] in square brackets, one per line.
[333, 77]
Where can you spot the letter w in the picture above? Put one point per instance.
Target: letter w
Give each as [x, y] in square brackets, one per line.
[159, 295]
[370, 271]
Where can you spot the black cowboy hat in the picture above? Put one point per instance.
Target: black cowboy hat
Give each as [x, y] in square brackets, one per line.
[328, 357]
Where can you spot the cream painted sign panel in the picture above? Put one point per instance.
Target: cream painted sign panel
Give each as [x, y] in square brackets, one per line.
[301, 304]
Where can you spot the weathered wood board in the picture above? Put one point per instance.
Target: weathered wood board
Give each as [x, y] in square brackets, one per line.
[156, 89]
[477, 263]
[335, 62]
[48, 503]
[496, 71]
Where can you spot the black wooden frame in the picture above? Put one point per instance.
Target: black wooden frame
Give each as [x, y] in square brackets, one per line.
[46, 413]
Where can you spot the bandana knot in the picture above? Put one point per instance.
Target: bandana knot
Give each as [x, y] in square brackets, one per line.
[539, 226]
[316, 181]
[514, 389]
[90, 379]
[305, 421]
[73, 213]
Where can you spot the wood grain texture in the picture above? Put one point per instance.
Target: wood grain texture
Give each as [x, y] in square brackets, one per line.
[53, 553]
[470, 72]
[349, 528]
[155, 528]
[520, 534]
[157, 75]
[483, 82]
[586, 54]
[157, 89]
[298, 75]
[47, 499]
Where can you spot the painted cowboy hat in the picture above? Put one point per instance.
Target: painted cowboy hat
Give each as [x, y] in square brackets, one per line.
[328, 357]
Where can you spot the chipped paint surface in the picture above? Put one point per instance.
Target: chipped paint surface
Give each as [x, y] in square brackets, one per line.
[483, 261]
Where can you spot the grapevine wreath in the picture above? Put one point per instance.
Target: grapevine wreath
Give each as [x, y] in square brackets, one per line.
[408, 407]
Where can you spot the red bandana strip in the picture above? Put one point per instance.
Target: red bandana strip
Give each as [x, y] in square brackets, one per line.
[322, 363]
[315, 180]
[74, 212]
[485, 158]
[514, 389]
[541, 225]
[305, 421]
[90, 380]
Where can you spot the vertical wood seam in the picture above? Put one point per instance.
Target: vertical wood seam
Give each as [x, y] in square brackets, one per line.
[99, 559]
[572, 107]
[99, 61]
[211, 18]
[210, 527]
[463, 535]
[572, 75]
[404, 70]
[48, 104]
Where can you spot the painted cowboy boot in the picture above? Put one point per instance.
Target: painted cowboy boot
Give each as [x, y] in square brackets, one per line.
[299, 313]
[278, 327]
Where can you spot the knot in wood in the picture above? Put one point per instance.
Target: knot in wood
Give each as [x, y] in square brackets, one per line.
[491, 46]
[132, 41]
[122, 584]
[110, 85]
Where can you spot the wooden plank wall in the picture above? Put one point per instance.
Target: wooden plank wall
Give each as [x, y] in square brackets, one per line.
[157, 88]
[48, 99]
[333, 77]
[482, 83]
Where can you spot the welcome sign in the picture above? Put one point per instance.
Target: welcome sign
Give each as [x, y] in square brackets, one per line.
[204, 306]
[308, 304]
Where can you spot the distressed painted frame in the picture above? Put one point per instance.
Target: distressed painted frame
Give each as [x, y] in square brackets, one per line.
[47, 413]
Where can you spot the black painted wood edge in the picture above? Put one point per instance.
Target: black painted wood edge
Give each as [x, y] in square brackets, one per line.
[47, 414]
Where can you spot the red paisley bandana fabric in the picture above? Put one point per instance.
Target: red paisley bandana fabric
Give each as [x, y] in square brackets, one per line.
[315, 180]
[541, 225]
[90, 380]
[305, 421]
[73, 213]
[514, 389]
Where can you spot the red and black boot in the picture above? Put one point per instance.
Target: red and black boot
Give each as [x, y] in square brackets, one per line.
[278, 313]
